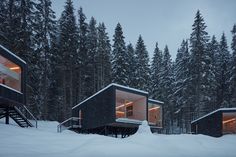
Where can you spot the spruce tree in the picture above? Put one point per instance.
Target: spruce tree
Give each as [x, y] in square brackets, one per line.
[119, 58]
[142, 71]
[181, 87]
[103, 58]
[68, 50]
[233, 70]
[55, 104]
[44, 33]
[92, 57]
[223, 74]
[82, 57]
[132, 68]
[156, 66]
[166, 81]
[165, 74]
[213, 49]
[200, 67]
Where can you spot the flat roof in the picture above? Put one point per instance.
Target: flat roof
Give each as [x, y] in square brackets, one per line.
[220, 109]
[12, 54]
[112, 84]
[157, 101]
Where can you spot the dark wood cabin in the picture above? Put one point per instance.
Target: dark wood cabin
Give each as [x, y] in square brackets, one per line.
[216, 123]
[116, 109]
[13, 88]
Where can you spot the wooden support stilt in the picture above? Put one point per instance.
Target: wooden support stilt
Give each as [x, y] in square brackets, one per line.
[7, 115]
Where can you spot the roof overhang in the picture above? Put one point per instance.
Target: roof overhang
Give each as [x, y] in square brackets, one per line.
[213, 112]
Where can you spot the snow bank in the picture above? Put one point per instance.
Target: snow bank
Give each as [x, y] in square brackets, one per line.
[45, 142]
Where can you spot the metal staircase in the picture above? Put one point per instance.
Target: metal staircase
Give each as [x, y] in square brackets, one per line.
[20, 115]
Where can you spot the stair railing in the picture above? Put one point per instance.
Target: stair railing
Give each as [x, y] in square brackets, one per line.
[29, 115]
[72, 122]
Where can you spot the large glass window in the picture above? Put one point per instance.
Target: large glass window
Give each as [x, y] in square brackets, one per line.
[229, 123]
[155, 114]
[130, 106]
[10, 74]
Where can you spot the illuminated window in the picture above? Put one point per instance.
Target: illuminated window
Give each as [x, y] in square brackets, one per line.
[130, 106]
[129, 111]
[229, 123]
[10, 74]
[154, 114]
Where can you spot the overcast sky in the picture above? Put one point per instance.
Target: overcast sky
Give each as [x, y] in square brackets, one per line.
[163, 21]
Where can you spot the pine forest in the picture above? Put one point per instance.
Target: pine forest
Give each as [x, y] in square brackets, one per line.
[72, 57]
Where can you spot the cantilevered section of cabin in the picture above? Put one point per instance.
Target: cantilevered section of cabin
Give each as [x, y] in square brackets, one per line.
[12, 78]
[118, 107]
[155, 113]
[13, 88]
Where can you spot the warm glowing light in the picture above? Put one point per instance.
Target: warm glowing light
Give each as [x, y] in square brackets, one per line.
[15, 68]
[154, 108]
[230, 120]
[123, 105]
[120, 112]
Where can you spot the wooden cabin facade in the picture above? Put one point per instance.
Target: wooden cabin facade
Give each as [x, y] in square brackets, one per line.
[216, 123]
[116, 108]
[12, 78]
[13, 88]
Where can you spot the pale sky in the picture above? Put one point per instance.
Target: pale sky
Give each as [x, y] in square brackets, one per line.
[163, 21]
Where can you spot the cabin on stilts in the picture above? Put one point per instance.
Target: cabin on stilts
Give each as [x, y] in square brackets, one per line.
[115, 110]
[13, 90]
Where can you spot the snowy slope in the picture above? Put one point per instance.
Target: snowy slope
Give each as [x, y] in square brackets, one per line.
[45, 142]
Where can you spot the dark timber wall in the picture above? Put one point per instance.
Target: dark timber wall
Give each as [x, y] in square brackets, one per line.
[210, 125]
[99, 110]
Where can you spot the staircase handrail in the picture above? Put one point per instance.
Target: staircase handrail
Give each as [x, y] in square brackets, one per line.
[31, 115]
[27, 114]
[65, 121]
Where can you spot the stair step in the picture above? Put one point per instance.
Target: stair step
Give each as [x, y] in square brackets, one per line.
[17, 115]
[13, 114]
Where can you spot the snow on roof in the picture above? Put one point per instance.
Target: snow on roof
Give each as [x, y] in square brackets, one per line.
[129, 88]
[92, 96]
[157, 101]
[220, 109]
[112, 84]
[13, 54]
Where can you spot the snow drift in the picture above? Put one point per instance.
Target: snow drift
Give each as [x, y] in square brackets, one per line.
[46, 142]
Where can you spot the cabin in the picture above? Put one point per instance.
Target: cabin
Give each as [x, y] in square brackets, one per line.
[216, 123]
[117, 109]
[13, 89]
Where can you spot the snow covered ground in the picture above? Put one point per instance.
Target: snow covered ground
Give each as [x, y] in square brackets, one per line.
[46, 142]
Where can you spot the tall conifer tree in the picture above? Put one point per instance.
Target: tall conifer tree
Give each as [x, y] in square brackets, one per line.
[222, 77]
[181, 87]
[82, 56]
[119, 58]
[233, 70]
[143, 71]
[132, 69]
[155, 73]
[200, 67]
[68, 50]
[103, 58]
